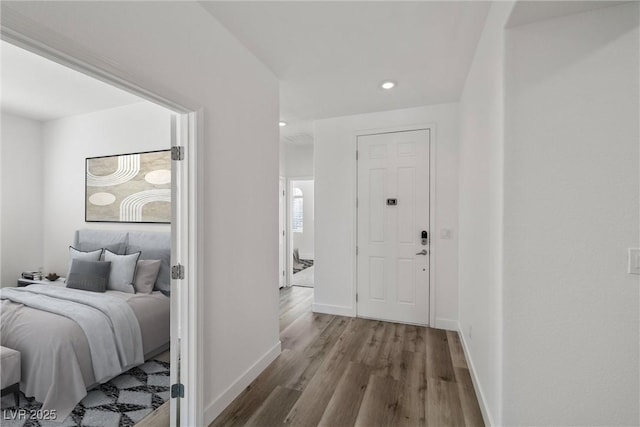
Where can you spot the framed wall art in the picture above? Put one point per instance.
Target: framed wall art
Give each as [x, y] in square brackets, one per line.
[129, 188]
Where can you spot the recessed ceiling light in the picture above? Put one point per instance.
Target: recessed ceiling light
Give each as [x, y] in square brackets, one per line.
[388, 85]
[282, 124]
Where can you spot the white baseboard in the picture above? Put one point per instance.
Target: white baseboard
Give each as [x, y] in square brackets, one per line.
[338, 310]
[218, 405]
[447, 324]
[476, 383]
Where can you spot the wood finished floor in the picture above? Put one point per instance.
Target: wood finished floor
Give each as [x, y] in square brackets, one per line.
[341, 371]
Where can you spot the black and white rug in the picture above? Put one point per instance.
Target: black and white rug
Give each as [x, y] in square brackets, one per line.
[121, 402]
[304, 264]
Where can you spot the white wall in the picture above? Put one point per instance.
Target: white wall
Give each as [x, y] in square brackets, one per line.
[67, 143]
[298, 160]
[22, 197]
[179, 51]
[282, 160]
[481, 197]
[571, 197]
[335, 190]
[304, 241]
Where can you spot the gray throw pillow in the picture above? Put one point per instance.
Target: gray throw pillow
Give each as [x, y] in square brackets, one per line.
[146, 275]
[85, 256]
[123, 271]
[89, 275]
[163, 282]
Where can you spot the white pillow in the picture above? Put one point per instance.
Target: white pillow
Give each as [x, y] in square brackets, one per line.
[123, 271]
[85, 256]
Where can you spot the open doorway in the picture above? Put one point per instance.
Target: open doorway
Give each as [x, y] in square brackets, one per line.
[119, 125]
[302, 231]
[297, 202]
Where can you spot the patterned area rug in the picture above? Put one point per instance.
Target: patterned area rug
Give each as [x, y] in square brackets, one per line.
[304, 263]
[121, 402]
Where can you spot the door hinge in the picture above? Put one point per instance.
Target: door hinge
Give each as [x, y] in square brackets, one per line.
[177, 390]
[177, 152]
[356, 297]
[177, 272]
[283, 272]
[283, 232]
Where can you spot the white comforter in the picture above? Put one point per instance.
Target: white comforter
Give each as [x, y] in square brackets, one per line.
[109, 324]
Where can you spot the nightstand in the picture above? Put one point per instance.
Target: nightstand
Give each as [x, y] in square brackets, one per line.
[26, 282]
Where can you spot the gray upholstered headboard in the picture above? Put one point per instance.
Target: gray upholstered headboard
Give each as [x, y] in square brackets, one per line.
[151, 244]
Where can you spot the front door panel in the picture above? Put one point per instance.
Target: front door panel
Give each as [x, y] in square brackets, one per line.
[393, 211]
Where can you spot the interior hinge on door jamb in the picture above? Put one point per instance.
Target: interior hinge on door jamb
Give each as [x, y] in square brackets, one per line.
[177, 152]
[356, 297]
[177, 272]
[177, 390]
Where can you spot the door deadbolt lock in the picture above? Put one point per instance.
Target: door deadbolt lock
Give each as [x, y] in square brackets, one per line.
[425, 238]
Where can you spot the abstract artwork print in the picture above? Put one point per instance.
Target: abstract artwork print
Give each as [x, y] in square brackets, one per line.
[129, 188]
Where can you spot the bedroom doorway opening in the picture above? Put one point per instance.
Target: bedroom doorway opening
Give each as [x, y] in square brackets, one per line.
[183, 270]
[301, 231]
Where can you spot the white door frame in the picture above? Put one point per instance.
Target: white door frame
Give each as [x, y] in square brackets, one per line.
[187, 221]
[290, 180]
[431, 127]
[283, 252]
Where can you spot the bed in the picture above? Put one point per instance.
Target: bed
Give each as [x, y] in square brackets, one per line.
[71, 340]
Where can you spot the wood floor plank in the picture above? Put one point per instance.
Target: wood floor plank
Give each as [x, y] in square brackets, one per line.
[158, 418]
[413, 383]
[304, 330]
[391, 346]
[275, 408]
[410, 337]
[309, 409]
[380, 405]
[468, 399]
[421, 339]
[439, 364]
[292, 313]
[378, 357]
[340, 371]
[344, 405]
[415, 338]
[164, 357]
[456, 351]
[316, 353]
[242, 408]
[443, 404]
[394, 363]
[369, 351]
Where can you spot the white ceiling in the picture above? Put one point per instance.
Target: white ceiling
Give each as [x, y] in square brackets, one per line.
[528, 12]
[332, 56]
[39, 89]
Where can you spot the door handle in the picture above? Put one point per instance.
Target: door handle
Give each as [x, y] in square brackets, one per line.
[422, 252]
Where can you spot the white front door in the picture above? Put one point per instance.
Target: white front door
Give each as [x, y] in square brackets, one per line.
[393, 213]
[282, 250]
